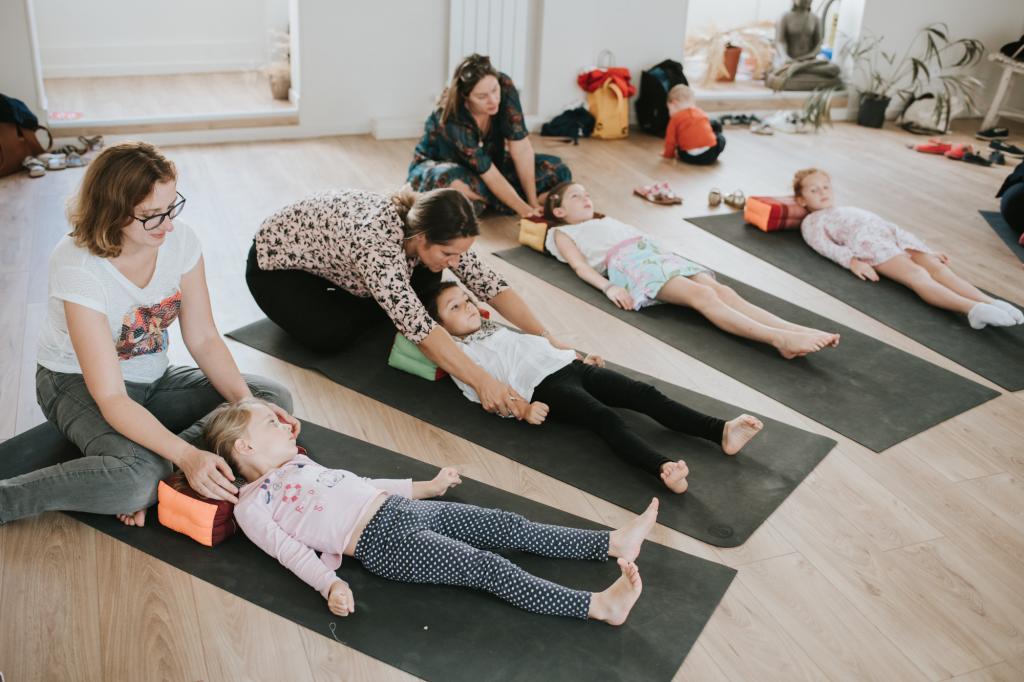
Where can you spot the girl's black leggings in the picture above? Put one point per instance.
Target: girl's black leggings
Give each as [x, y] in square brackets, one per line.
[585, 395]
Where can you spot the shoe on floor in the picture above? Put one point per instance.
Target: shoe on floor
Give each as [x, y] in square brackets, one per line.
[992, 134]
[1008, 149]
[36, 168]
[997, 158]
[958, 150]
[976, 159]
[985, 314]
[932, 146]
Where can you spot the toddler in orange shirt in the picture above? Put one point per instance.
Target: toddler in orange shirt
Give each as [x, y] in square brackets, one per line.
[691, 136]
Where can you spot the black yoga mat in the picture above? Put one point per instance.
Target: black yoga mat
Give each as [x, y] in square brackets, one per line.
[729, 497]
[440, 633]
[1002, 228]
[996, 353]
[866, 390]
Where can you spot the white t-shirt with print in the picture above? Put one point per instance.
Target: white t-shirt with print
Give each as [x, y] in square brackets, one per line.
[138, 318]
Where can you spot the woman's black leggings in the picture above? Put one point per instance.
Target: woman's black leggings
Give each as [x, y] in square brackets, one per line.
[315, 311]
[585, 395]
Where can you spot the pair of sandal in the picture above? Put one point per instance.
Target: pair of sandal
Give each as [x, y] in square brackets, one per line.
[658, 193]
[735, 199]
[38, 165]
[88, 144]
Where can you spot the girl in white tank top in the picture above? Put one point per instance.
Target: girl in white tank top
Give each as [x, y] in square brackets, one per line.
[634, 271]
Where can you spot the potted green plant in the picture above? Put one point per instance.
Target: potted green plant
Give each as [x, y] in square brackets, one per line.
[923, 68]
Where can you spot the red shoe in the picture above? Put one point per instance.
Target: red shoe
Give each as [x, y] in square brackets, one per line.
[932, 146]
[958, 150]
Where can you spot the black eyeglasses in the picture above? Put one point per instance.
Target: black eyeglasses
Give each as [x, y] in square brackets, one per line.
[154, 221]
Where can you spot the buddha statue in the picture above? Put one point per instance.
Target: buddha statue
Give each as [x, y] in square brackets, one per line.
[798, 37]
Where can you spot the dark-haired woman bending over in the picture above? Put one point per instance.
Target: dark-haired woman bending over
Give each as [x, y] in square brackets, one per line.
[330, 266]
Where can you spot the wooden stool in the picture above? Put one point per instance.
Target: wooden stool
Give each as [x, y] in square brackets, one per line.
[1011, 67]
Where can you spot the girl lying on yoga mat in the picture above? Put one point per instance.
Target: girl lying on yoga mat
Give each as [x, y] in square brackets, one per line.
[869, 246]
[578, 390]
[634, 271]
[293, 507]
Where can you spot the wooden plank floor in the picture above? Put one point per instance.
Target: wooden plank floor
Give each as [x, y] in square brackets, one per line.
[904, 565]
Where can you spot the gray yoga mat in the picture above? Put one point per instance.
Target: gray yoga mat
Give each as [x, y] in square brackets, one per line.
[1002, 228]
[729, 497]
[866, 390]
[996, 353]
[433, 632]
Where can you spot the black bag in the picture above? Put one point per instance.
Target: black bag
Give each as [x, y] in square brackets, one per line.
[651, 105]
[1014, 50]
[572, 123]
[15, 111]
[17, 134]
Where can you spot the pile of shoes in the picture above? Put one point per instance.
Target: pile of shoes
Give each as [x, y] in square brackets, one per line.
[959, 151]
[68, 156]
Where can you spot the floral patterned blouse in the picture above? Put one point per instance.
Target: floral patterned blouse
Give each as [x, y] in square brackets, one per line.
[355, 239]
[461, 141]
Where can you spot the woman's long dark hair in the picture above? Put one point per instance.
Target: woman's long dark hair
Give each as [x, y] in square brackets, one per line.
[440, 215]
[468, 73]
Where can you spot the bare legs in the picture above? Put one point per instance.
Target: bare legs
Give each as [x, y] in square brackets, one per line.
[724, 308]
[936, 283]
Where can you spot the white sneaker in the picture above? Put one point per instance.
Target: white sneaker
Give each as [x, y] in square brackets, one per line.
[984, 314]
[1013, 310]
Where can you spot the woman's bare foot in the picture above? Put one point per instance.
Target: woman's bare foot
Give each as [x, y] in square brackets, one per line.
[614, 604]
[673, 475]
[738, 433]
[794, 344]
[625, 542]
[136, 519]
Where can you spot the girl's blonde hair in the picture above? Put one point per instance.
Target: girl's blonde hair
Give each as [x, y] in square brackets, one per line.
[116, 181]
[803, 174]
[682, 94]
[228, 423]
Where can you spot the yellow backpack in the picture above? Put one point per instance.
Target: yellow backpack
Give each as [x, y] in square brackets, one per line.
[610, 110]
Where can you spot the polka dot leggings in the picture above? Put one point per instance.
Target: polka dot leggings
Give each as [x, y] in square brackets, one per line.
[445, 543]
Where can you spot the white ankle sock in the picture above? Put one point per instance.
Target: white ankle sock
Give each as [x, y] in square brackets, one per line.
[984, 314]
[1013, 310]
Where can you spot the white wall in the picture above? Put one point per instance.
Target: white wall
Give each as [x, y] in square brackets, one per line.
[573, 34]
[18, 73]
[704, 15]
[994, 22]
[132, 37]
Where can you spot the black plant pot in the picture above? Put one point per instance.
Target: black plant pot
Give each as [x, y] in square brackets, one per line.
[871, 112]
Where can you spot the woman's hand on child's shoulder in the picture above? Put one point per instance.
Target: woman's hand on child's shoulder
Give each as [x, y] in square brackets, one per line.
[537, 413]
[447, 477]
[595, 360]
[340, 600]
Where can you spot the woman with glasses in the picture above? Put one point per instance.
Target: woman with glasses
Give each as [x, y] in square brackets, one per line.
[117, 282]
[464, 145]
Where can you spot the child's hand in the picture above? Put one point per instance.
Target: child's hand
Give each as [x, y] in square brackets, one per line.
[863, 270]
[446, 478]
[283, 416]
[340, 600]
[620, 297]
[595, 360]
[537, 413]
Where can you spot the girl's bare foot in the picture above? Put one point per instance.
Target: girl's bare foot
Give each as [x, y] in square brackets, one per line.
[738, 433]
[614, 604]
[794, 344]
[625, 542]
[136, 519]
[673, 475]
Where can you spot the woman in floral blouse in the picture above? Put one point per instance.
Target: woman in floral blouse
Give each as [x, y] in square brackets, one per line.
[464, 145]
[329, 266]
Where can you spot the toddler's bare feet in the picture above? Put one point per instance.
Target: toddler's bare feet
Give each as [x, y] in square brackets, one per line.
[738, 433]
[136, 519]
[673, 475]
[796, 344]
[625, 542]
[614, 604]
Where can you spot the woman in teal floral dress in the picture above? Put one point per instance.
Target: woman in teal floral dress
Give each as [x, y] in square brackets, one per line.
[464, 145]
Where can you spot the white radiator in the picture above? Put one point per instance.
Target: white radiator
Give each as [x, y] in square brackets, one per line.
[496, 28]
